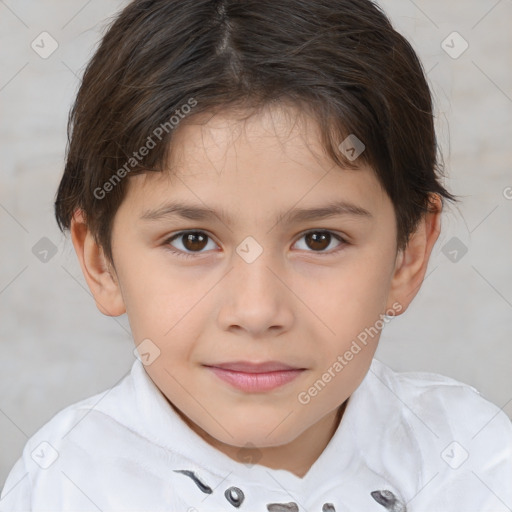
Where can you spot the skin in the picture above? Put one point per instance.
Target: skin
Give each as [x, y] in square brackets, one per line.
[297, 302]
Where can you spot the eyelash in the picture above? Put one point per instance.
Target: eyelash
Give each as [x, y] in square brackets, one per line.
[182, 254]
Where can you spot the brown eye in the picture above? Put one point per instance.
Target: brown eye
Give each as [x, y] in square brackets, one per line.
[194, 241]
[191, 242]
[319, 241]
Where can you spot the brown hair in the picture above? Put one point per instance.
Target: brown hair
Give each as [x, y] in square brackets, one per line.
[340, 59]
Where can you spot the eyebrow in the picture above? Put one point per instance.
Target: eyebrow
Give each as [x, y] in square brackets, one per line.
[296, 215]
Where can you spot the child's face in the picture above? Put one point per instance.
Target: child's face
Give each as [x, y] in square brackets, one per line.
[302, 301]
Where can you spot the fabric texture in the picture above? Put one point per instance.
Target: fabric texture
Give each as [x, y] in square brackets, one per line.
[415, 441]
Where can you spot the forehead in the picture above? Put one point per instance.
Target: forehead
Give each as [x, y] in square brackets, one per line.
[254, 161]
[278, 130]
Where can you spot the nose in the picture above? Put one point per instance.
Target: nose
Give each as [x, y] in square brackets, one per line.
[256, 298]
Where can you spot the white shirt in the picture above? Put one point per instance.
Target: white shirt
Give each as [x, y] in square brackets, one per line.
[415, 442]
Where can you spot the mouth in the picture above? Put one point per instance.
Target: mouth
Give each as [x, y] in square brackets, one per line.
[255, 377]
[250, 367]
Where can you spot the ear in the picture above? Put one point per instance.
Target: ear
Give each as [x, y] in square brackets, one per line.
[100, 278]
[411, 263]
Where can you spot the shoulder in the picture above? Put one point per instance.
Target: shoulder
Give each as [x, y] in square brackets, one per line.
[456, 440]
[63, 439]
[445, 403]
[65, 424]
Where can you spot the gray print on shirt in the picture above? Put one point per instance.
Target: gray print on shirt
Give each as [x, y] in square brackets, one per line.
[389, 500]
[235, 497]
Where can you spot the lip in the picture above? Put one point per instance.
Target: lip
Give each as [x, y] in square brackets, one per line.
[250, 367]
[255, 377]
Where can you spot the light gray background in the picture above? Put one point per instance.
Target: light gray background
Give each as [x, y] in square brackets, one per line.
[55, 346]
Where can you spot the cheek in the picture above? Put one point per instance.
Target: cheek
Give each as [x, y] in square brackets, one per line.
[161, 300]
[350, 296]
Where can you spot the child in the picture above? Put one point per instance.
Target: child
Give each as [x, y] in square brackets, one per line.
[293, 142]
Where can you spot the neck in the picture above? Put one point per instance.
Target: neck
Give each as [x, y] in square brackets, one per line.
[296, 457]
